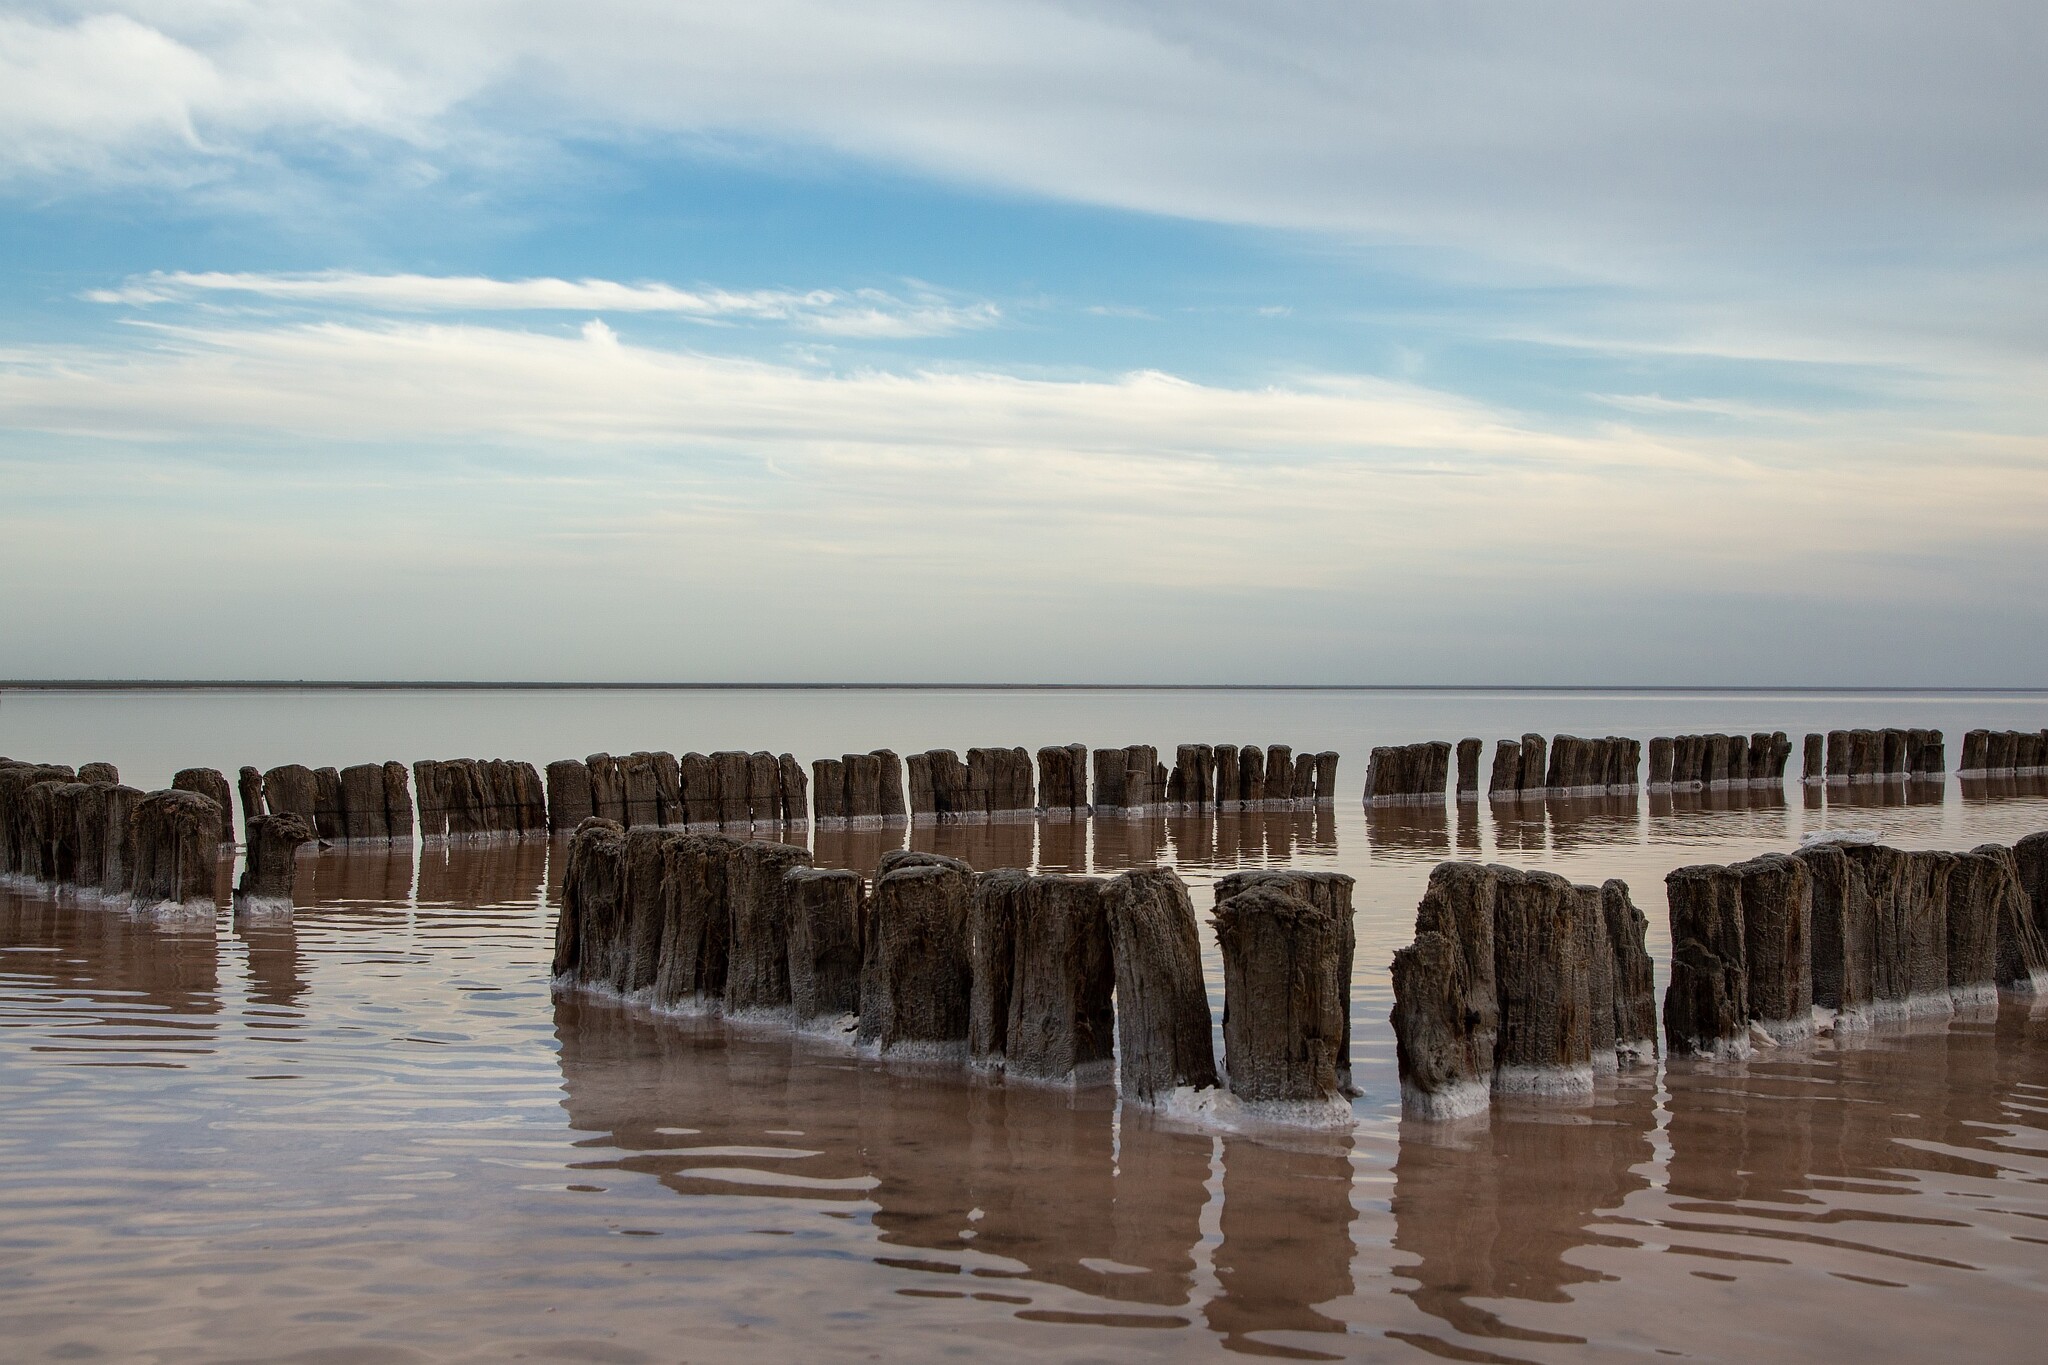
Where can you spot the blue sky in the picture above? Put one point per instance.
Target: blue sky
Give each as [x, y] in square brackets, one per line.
[1022, 341]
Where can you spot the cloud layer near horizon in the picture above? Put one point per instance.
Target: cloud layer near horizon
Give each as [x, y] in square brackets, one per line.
[510, 453]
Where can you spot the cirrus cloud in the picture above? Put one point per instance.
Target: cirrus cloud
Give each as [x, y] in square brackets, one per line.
[848, 313]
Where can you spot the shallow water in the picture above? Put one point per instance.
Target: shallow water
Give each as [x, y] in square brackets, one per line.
[367, 1133]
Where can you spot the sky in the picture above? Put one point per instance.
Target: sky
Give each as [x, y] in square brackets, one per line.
[1004, 340]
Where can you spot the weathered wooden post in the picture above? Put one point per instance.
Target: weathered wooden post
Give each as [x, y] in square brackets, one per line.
[698, 777]
[827, 914]
[1978, 883]
[608, 799]
[890, 808]
[362, 803]
[569, 801]
[1666, 756]
[1283, 1023]
[1251, 777]
[117, 839]
[249, 788]
[1224, 781]
[1446, 1013]
[1062, 1023]
[697, 918]
[640, 789]
[271, 863]
[1468, 769]
[1162, 1005]
[1777, 938]
[1635, 995]
[398, 816]
[1540, 963]
[757, 972]
[914, 981]
[208, 783]
[863, 789]
[1505, 782]
[2022, 963]
[794, 790]
[998, 903]
[828, 788]
[735, 800]
[1813, 770]
[589, 932]
[644, 913]
[1706, 1006]
[1326, 778]
[1331, 891]
[176, 839]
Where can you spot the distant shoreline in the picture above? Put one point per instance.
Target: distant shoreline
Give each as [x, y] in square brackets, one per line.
[329, 685]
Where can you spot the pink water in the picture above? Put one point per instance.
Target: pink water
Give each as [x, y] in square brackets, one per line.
[368, 1133]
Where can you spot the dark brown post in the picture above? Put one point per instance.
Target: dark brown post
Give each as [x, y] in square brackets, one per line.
[1162, 1005]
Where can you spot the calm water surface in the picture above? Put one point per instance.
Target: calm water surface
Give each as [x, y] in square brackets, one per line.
[368, 1133]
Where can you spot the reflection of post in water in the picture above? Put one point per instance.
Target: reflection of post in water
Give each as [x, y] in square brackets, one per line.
[1122, 844]
[1769, 817]
[1884, 1106]
[224, 876]
[983, 847]
[1286, 1248]
[470, 875]
[659, 1089]
[1517, 825]
[1042, 1170]
[1063, 845]
[114, 958]
[711, 1113]
[1579, 821]
[1279, 828]
[1162, 1185]
[1322, 829]
[276, 973]
[1468, 827]
[1420, 829]
[1496, 1213]
[858, 850]
[2003, 787]
[375, 874]
[1909, 793]
[1232, 844]
[1194, 840]
[1932, 790]
[1885, 795]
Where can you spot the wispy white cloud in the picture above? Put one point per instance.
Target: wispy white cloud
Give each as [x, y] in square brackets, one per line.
[856, 313]
[587, 469]
[1842, 179]
[1326, 440]
[1656, 404]
[403, 382]
[1595, 133]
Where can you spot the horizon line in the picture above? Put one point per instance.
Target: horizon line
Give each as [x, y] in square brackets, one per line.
[484, 685]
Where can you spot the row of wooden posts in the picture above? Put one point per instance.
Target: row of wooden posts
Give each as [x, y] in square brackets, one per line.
[471, 798]
[1567, 765]
[2004, 753]
[1050, 978]
[82, 829]
[1520, 982]
[1532, 767]
[938, 785]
